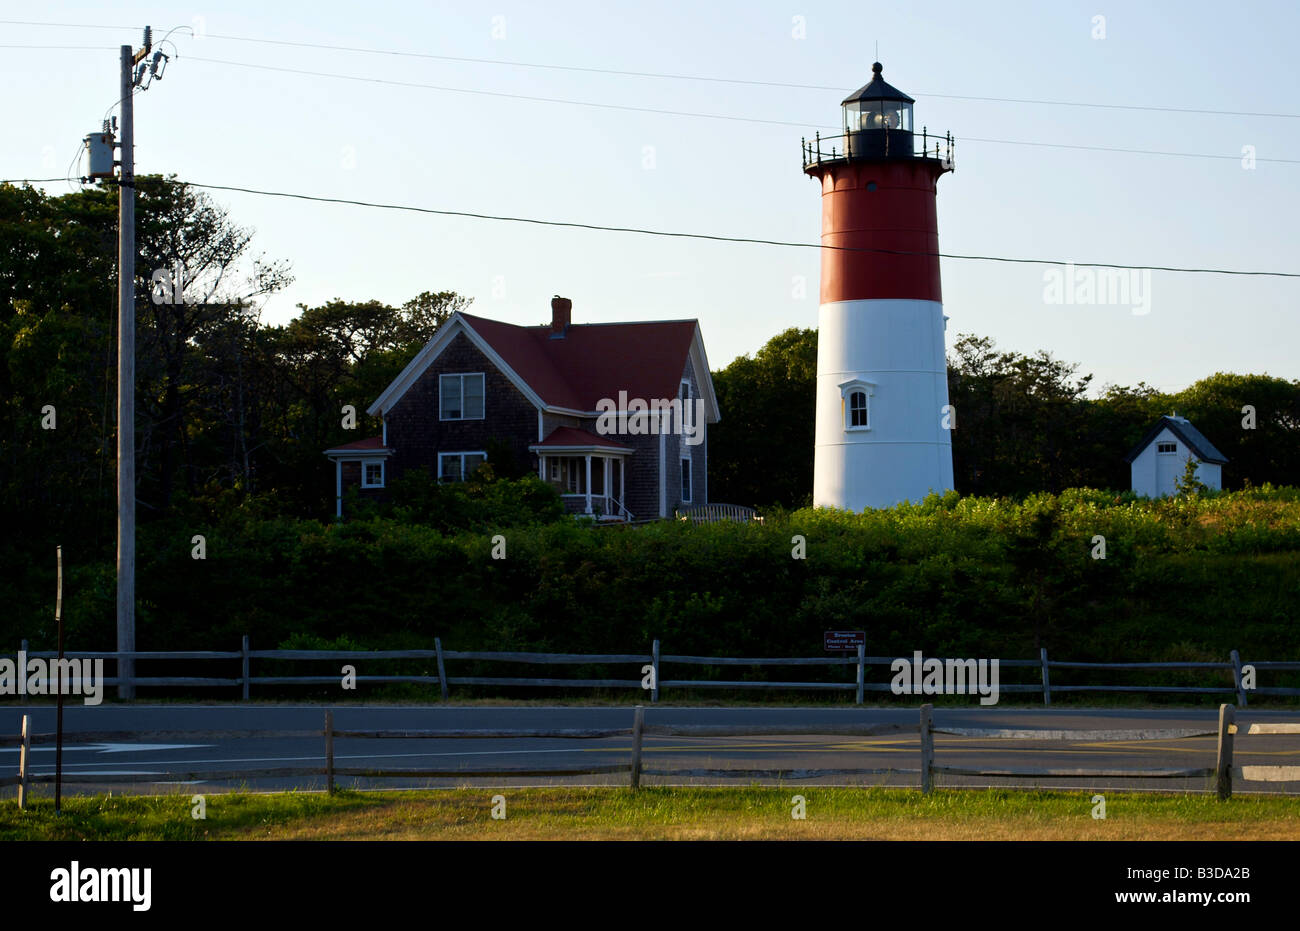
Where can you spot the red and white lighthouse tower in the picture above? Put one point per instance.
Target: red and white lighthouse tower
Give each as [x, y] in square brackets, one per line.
[883, 422]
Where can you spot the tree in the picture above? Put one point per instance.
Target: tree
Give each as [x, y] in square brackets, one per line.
[1189, 483]
[761, 451]
[1254, 420]
[1019, 419]
[196, 296]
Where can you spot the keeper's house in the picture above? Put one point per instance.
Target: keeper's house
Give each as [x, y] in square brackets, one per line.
[614, 415]
[1158, 461]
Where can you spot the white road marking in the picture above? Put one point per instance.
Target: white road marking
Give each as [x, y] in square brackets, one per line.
[110, 748]
[140, 748]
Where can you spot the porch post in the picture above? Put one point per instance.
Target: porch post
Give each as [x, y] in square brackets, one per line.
[606, 473]
[541, 466]
[622, 487]
[338, 487]
[588, 459]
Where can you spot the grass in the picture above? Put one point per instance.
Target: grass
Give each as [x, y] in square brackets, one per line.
[660, 813]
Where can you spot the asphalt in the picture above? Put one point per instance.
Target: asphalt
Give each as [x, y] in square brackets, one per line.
[152, 760]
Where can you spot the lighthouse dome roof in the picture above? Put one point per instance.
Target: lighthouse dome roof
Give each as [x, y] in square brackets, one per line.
[877, 89]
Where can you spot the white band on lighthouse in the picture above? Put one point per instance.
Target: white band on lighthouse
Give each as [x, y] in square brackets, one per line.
[892, 352]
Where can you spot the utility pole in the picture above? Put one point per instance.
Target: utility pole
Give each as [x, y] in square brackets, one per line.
[126, 383]
[131, 78]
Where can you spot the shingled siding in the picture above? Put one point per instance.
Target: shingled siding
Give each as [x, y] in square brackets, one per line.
[699, 453]
[352, 479]
[641, 471]
[416, 435]
[552, 422]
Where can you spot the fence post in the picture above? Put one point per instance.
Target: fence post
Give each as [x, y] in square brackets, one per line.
[1223, 765]
[862, 661]
[638, 724]
[654, 659]
[442, 669]
[1047, 678]
[24, 756]
[329, 751]
[1236, 679]
[927, 748]
[244, 649]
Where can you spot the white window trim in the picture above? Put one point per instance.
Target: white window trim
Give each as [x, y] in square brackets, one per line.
[846, 389]
[462, 455]
[462, 376]
[366, 463]
[1166, 452]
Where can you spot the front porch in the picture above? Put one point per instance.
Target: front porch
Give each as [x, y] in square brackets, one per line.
[588, 471]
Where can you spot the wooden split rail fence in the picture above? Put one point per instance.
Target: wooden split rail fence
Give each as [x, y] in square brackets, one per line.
[650, 679]
[1223, 772]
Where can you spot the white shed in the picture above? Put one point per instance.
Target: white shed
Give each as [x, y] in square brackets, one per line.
[1158, 461]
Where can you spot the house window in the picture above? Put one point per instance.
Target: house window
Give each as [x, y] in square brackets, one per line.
[456, 467]
[372, 474]
[460, 397]
[686, 480]
[1166, 447]
[688, 410]
[855, 403]
[555, 470]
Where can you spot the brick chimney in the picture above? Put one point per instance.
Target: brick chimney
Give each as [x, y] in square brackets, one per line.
[561, 313]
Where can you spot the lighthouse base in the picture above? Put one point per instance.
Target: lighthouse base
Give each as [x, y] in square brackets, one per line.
[892, 352]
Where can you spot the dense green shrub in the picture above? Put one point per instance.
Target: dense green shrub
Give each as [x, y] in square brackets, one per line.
[1198, 575]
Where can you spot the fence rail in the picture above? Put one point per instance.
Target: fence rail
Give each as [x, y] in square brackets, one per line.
[650, 665]
[1224, 771]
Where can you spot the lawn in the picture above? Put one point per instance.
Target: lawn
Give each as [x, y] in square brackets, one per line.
[659, 813]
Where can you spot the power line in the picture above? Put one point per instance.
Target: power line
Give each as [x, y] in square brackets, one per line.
[98, 48]
[739, 81]
[676, 77]
[475, 91]
[705, 236]
[691, 113]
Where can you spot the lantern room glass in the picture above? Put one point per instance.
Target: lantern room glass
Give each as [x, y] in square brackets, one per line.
[863, 115]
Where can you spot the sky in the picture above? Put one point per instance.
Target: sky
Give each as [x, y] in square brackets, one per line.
[498, 134]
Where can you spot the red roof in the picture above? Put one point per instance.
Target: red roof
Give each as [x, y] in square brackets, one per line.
[594, 360]
[370, 442]
[572, 436]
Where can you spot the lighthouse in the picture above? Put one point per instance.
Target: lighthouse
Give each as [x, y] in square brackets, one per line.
[883, 429]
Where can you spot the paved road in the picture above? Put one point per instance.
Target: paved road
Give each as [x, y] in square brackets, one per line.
[151, 762]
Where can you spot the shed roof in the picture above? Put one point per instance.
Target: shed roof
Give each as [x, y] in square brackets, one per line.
[1182, 428]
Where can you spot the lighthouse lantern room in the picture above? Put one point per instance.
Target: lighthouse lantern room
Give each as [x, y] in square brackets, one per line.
[883, 420]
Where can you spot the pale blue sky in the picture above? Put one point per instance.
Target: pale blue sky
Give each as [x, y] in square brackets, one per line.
[223, 124]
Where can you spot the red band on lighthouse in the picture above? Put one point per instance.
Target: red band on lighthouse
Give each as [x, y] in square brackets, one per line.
[880, 217]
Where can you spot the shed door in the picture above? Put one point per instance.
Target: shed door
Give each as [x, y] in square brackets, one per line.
[1169, 468]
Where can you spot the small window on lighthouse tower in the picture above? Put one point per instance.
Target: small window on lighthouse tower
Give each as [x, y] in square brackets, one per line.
[857, 408]
[855, 404]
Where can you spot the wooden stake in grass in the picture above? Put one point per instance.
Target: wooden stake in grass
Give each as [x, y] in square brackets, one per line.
[58, 699]
[329, 751]
[638, 725]
[1223, 766]
[927, 749]
[24, 761]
